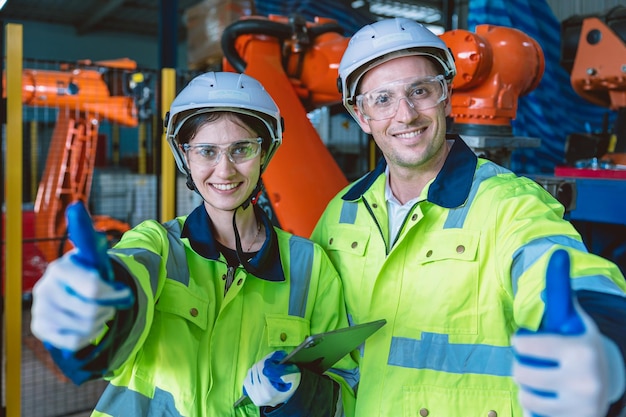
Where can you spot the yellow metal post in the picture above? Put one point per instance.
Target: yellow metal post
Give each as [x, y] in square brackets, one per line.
[13, 247]
[141, 154]
[34, 157]
[168, 170]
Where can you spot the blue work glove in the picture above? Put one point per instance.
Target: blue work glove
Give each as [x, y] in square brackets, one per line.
[76, 295]
[566, 368]
[269, 382]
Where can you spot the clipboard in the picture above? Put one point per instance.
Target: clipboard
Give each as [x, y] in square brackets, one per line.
[319, 352]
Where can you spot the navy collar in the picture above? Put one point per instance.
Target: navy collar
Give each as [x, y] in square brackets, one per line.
[450, 188]
[266, 262]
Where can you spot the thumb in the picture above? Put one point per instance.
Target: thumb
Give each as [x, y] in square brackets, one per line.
[560, 314]
[91, 246]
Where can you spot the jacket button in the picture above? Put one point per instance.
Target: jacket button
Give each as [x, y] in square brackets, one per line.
[193, 312]
[354, 245]
[375, 205]
[330, 241]
[492, 414]
[424, 412]
[460, 249]
[429, 253]
[224, 277]
[283, 337]
[414, 217]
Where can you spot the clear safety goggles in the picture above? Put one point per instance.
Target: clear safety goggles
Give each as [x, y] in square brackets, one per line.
[210, 154]
[420, 93]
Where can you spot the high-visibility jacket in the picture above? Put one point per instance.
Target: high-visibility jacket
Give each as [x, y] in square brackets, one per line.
[466, 271]
[190, 344]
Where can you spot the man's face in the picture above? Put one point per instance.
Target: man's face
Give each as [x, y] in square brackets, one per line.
[410, 138]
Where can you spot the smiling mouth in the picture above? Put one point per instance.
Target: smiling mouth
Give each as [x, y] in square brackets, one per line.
[411, 134]
[226, 187]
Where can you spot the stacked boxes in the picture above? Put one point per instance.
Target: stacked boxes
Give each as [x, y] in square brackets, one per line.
[205, 23]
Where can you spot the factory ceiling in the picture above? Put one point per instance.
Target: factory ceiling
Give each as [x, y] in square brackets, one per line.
[142, 17]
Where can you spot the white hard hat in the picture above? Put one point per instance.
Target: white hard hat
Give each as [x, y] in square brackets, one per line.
[382, 41]
[223, 91]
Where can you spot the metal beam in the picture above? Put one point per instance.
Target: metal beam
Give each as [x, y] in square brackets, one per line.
[103, 12]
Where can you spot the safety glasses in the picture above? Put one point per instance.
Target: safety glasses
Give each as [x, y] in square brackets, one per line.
[420, 93]
[209, 154]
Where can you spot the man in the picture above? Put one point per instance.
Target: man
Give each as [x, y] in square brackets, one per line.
[452, 250]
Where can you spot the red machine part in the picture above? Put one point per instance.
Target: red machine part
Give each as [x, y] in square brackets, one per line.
[495, 66]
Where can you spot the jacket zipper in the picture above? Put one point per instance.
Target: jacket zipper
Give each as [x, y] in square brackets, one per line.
[380, 230]
[230, 277]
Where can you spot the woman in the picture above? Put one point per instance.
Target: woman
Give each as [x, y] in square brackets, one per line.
[202, 308]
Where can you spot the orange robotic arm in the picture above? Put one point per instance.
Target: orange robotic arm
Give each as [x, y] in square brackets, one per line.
[297, 63]
[599, 71]
[83, 95]
[495, 66]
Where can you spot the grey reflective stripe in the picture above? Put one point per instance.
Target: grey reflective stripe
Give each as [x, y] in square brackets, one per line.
[598, 283]
[456, 216]
[300, 267]
[177, 267]
[435, 352]
[351, 376]
[527, 255]
[150, 260]
[348, 212]
[123, 402]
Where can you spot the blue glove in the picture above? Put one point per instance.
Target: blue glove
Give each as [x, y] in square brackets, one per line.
[76, 295]
[566, 368]
[269, 382]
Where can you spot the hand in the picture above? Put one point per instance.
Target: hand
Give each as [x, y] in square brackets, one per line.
[76, 295]
[269, 383]
[566, 368]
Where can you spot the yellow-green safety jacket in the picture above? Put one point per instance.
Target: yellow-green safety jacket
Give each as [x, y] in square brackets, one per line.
[466, 271]
[189, 345]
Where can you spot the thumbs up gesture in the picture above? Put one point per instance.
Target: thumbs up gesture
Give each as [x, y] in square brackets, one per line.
[76, 295]
[566, 368]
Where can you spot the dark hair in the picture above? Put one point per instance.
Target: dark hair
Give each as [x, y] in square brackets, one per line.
[191, 126]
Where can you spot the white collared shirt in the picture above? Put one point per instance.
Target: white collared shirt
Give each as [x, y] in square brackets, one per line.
[397, 211]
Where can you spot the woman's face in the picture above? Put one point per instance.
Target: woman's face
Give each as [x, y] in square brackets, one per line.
[225, 185]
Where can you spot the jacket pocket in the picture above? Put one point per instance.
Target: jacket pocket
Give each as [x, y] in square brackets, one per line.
[286, 331]
[181, 301]
[346, 247]
[436, 401]
[441, 278]
[347, 239]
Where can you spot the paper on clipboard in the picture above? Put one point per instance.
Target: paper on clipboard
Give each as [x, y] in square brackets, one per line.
[319, 352]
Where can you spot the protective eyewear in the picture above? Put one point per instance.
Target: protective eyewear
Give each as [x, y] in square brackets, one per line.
[420, 94]
[210, 154]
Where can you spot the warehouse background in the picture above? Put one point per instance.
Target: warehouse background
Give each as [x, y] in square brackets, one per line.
[184, 34]
[95, 29]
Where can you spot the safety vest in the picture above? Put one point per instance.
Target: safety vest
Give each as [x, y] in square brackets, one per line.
[465, 272]
[191, 344]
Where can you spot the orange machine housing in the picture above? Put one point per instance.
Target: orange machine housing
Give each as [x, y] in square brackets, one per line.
[594, 52]
[84, 96]
[598, 74]
[297, 63]
[495, 66]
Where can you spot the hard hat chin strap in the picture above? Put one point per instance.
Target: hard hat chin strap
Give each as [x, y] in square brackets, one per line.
[252, 199]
